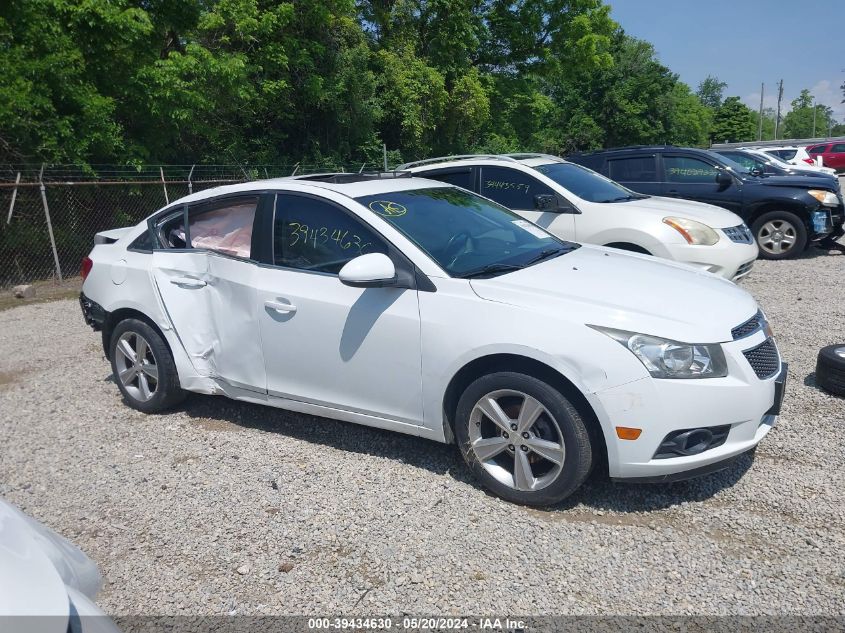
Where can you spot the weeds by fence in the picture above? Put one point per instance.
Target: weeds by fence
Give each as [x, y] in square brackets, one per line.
[50, 214]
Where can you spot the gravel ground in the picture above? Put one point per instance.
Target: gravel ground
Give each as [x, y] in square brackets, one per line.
[223, 507]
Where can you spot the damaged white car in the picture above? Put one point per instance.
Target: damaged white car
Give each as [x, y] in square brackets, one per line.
[415, 306]
[47, 585]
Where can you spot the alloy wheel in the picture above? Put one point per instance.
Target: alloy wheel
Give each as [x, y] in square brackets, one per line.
[136, 364]
[516, 440]
[777, 236]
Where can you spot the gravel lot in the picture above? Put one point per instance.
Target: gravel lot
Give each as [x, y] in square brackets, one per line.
[225, 507]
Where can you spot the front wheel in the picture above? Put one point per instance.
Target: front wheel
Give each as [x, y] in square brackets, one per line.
[779, 235]
[143, 367]
[522, 438]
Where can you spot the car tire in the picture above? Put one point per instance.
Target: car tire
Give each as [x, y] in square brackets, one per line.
[830, 369]
[779, 235]
[544, 457]
[148, 380]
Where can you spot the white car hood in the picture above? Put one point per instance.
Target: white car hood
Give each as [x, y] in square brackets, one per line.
[36, 568]
[709, 214]
[606, 287]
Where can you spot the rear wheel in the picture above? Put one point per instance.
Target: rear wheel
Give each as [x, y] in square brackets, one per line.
[779, 235]
[143, 367]
[522, 438]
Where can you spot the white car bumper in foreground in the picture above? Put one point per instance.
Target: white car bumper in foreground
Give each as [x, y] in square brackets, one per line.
[736, 411]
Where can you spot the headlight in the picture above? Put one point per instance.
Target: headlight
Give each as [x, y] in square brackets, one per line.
[693, 232]
[664, 358]
[827, 198]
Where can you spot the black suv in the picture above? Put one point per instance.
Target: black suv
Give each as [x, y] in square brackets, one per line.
[786, 213]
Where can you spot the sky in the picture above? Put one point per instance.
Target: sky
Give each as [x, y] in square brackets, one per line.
[746, 43]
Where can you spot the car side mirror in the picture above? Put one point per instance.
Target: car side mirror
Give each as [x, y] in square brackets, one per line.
[724, 179]
[374, 270]
[545, 202]
[550, 202]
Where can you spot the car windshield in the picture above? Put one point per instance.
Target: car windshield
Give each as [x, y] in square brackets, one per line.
[587, 184]
[465, 234]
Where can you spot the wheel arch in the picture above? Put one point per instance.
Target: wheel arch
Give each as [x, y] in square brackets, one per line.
[491, 363]
[122, 314]
[790, 206]
[628, 246]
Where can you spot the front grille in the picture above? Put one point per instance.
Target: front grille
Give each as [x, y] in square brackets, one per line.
[763, 359]
[744, 269]
[748, 328]
[740, 234]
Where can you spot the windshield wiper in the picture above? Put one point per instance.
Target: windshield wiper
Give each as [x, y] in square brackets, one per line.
[624, 198]
[546, 254]
[490, 269]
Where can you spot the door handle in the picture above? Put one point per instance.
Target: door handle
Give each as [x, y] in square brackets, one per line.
[188, 282]
[280, 307]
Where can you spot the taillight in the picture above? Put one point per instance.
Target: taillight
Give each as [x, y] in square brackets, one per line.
[87, 265]
[809, 161]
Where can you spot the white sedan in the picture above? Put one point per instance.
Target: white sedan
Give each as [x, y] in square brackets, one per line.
[576, 203]
[410, 305]
[797, 156]
[47, 585]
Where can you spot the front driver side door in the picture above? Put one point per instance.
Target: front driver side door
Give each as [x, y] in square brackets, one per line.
[326, 343]
[516, 190]
[691, 178]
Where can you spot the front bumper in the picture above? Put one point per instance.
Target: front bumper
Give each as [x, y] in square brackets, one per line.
[731, 260]
[747, 404]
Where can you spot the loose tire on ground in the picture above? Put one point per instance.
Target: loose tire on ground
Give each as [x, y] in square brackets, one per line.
[830, 369]
[779, 235]
[143, 367]
[536, 426]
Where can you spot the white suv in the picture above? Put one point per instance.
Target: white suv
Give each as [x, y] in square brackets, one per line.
[576, 203]
[411, 305]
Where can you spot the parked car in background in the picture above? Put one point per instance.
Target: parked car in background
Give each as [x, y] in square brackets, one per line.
[761, 164]
[786, 213]
[576, 203]
[791, 154]
[832, 155]
[42, 574]
[420, 307]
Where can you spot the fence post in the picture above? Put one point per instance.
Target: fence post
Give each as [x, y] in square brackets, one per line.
[14, 195]
[190, 184]
[163, 184]
[49, 223]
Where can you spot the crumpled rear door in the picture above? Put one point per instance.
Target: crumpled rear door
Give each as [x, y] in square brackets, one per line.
[183, 280]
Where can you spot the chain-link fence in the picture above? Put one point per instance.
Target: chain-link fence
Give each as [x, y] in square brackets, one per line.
[50, 214]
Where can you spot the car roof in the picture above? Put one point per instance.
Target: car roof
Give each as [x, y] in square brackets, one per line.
[528, 159]
[354, 189]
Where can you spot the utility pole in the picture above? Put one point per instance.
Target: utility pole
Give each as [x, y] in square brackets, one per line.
[813, 135]
[760, 122]
[780, 97]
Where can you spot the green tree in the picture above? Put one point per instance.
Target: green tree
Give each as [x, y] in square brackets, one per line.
[690, 120]
[710, 92]
[733, 122]
[799, 121]
[768, 123]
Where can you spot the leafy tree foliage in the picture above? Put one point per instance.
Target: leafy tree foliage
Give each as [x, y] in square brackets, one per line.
[733, 122]
[799, 123]
[283, 81]
[710, 92]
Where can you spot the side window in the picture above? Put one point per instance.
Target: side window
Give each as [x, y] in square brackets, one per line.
[458, 177]
[817, 149]
[685, 169]
[838, 147]
[223, 226]
[635, 169]
[312, 234]
[786, 154]
[144, 242]
[511, 188]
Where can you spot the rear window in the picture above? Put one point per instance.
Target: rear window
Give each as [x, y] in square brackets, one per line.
[457, 177]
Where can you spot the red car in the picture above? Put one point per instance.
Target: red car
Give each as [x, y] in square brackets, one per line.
[833, 154]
